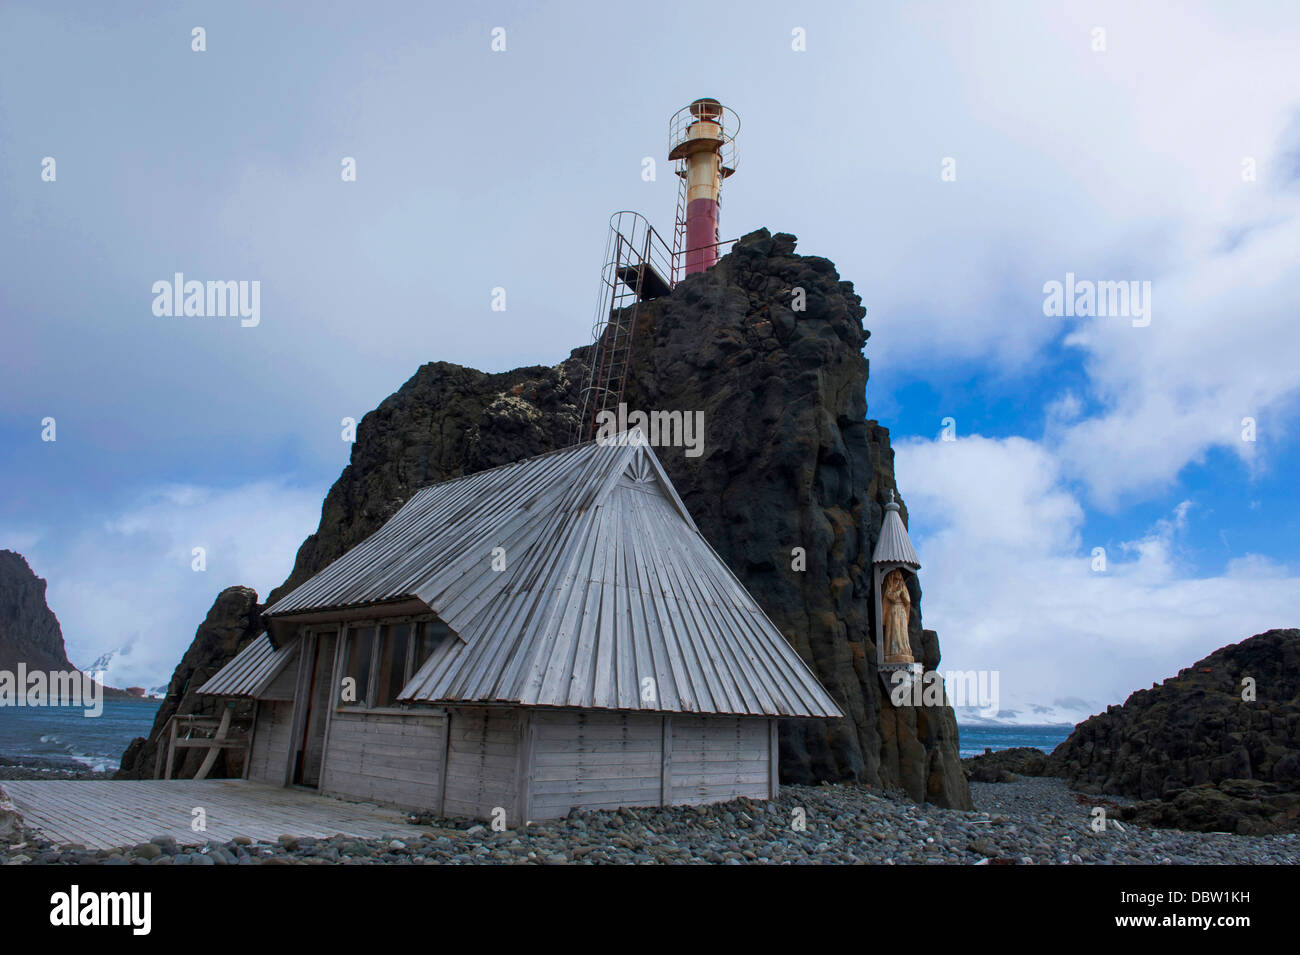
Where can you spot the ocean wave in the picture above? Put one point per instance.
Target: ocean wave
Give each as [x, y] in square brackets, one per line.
[99, 764]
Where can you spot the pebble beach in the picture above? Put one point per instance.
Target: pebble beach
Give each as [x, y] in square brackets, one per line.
[1029, 821]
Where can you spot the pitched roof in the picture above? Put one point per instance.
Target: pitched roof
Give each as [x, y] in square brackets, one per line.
[894, 546]
[252, 669]
[607, 583]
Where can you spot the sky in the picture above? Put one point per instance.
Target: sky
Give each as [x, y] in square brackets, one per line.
[952, 159]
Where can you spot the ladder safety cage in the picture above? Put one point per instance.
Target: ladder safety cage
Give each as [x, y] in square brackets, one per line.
[638, 266]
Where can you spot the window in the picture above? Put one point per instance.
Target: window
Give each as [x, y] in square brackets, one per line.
[378, 661]
[355, 690]
[431, 635]
[393, 645]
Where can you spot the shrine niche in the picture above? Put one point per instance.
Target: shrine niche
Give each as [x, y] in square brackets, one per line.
[896, 609]
[894, 561]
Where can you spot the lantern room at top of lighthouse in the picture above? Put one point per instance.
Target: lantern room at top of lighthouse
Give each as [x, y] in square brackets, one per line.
[704, 126]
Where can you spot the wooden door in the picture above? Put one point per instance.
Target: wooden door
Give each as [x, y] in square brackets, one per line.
[311, 748]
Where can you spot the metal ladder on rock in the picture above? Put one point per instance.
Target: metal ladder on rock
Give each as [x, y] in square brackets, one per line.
[638, 267]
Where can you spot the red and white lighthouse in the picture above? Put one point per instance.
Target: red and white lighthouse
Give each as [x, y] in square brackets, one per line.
[638, 264]
[701, 139]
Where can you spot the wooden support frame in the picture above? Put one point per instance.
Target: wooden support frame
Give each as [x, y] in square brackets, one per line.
[218, 741]
[165, 763]
[171, 748]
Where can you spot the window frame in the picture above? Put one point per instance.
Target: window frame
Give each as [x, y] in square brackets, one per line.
[348, 634]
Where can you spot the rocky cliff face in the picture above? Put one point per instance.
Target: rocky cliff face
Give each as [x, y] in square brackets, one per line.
[29, 631]
[789, 461]
[1196, 727]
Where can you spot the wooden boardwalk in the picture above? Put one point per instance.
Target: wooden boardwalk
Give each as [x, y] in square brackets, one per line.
[104, 814]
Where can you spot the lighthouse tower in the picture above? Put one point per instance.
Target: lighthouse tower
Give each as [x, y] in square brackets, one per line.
[702, 142]
[639, 266]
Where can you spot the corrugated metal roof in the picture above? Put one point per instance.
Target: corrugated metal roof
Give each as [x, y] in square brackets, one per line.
[252, 669]
[894, 545]
[608, 583]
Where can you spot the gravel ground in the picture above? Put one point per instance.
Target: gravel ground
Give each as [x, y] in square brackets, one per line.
[1038, 821]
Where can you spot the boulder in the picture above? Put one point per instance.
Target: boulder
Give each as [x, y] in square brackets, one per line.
[1247, 807]
[11, 820]
[1005, 765]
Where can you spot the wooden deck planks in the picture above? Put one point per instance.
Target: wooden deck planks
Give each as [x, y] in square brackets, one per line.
[104, 814]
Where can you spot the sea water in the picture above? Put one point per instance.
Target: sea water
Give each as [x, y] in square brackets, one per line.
[64, 737]
[976, 738]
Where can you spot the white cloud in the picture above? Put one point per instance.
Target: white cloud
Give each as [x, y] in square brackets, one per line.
[1119, 165]
[1009, 583]
[126, 582]
[1222, 346]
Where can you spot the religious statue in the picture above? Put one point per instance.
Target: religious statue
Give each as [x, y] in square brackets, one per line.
[894, 614]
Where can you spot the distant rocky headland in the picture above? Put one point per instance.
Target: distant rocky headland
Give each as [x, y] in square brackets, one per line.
[30, 634]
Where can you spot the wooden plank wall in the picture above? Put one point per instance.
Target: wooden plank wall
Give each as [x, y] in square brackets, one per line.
[600, 760]
[596, 760]
[386, 758]
[283, 685]
[587, 759]
[716, 758]
[483, 762]
[271, 742]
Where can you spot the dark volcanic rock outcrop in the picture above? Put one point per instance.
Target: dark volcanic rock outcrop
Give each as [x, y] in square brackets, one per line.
[1200, 728]
[1004, 765]
[789, 461]
[29, 631]
[1196, 727]
[231, 623]
[1247, 807]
